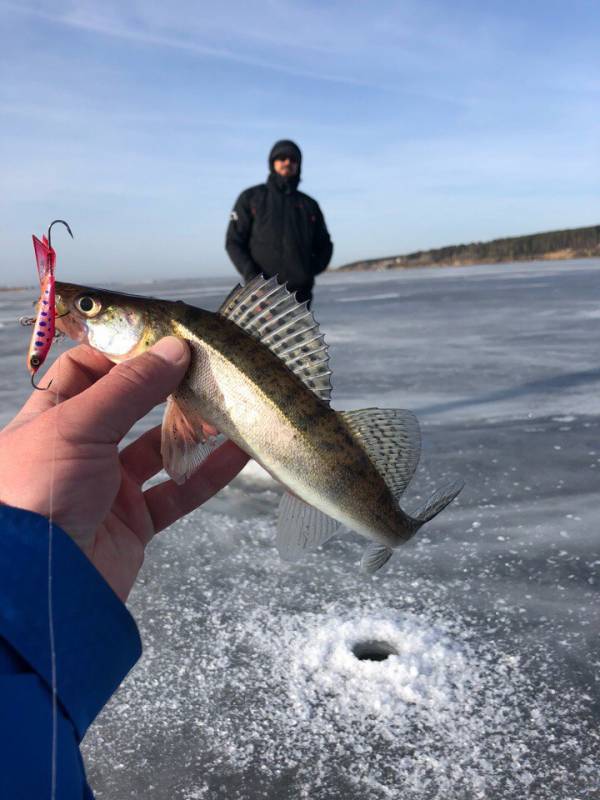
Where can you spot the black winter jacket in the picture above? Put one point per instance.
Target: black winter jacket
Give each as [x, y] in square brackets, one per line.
[277, 230]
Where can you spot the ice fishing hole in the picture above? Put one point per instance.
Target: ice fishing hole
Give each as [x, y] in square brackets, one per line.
[373, 650]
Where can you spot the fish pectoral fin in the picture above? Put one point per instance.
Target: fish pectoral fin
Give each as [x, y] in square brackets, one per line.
[374, 557]
[301, 527]
[185, 441]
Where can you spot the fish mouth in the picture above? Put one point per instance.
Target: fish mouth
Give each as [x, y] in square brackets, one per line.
[69, 323]
[61, 307]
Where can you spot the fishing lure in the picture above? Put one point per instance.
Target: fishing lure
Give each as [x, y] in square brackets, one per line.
[44, 323]
[45, 256]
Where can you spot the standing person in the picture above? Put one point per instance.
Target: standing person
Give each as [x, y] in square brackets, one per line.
[277, 230]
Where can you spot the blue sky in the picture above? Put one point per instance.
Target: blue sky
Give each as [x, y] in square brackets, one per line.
[422, 124]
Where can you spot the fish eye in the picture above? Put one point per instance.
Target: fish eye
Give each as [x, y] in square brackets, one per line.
[34, 361]
[88, 306]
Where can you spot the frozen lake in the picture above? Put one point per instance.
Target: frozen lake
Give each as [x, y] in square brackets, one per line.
[248, 687]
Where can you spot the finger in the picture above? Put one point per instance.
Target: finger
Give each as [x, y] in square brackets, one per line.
[108, 409]
[168, 501]
[142, 459]
[71, 373]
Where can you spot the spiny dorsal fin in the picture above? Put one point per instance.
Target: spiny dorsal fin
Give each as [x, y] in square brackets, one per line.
[392, 438]
[301, 527]
[271, 314]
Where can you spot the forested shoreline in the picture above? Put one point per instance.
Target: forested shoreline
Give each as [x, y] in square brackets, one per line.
[552, 245]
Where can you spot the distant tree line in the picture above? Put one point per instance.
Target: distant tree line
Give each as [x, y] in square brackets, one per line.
[570, 243]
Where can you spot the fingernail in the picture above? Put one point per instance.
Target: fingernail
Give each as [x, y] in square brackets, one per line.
[170, 349]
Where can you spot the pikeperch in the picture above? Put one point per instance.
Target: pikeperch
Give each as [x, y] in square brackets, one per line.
[259, 374]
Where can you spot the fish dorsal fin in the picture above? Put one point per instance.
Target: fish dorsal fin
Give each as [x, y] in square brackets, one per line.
[271, 314]
[392, 439]
[301, 527]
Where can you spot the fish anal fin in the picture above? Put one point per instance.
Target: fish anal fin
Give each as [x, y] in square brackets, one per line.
[301, 527]
[186, 440]
[392, 439]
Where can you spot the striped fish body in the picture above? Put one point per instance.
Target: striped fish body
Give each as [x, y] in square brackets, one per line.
[259, 375]
[249, 394]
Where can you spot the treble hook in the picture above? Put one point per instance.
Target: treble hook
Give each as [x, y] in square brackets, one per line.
[66, 224]
[40, 388]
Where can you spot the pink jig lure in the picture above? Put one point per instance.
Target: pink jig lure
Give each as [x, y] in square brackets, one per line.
[44, 325]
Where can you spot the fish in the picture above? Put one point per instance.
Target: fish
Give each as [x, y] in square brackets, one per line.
[259, 374]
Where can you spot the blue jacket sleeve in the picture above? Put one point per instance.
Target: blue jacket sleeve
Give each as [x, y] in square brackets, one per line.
[96, 642]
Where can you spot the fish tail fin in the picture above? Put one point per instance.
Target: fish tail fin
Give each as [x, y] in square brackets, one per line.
[376, 555]
[436, 503]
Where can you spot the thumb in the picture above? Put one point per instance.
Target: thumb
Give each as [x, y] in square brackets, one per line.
[109, 408]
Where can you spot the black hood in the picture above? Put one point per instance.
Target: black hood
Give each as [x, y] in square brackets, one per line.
[285, 147]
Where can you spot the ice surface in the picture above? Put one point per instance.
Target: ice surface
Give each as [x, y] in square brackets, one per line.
[248, 687]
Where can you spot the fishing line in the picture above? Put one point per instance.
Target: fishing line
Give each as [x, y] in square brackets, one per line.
[54, 754]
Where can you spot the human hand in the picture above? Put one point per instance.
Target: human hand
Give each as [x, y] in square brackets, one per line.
[63, 459]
